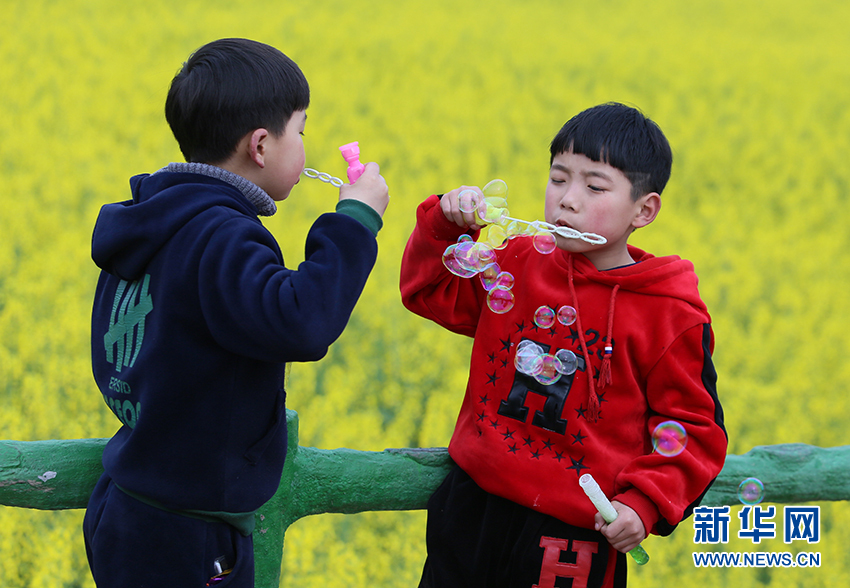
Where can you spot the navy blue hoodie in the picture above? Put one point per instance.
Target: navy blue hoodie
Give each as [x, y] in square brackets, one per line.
[194, 318]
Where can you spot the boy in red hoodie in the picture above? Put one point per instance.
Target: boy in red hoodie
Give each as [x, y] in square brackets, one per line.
[512, 512]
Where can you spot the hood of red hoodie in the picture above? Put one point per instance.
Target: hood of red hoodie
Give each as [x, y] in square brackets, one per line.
[669, 276]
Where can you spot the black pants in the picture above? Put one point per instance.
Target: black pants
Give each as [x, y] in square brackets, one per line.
[476, 539]
[133, 545]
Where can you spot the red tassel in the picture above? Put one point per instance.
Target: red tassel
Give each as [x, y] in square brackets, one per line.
[593, 406]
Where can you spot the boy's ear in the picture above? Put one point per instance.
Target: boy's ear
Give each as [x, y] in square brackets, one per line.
[649, 206]
[257, 146]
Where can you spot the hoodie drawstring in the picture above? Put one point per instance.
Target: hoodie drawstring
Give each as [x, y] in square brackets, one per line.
[605, 371]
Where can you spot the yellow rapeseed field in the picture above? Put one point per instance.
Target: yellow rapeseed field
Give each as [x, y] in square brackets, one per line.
[753, 96]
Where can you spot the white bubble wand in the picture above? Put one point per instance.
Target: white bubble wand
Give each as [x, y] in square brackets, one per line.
[496, 212]
[606, 509]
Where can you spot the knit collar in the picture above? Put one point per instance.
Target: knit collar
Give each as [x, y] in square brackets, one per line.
[255, 195]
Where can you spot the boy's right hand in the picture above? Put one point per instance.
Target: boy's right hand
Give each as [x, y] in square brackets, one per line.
[452, 211]
[370, 188]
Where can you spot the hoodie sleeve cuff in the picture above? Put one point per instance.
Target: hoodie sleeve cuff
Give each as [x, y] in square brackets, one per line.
[642, 505]
[360, 211]
[442, 228]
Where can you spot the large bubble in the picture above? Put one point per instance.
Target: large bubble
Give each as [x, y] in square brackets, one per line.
[544, 242]
[500, 299]
[544, 317]
[550, 370]
[569, 361]
[567, 315]
[669, 439]
[452, 264]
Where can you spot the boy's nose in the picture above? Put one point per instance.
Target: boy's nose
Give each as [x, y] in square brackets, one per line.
[569, 200]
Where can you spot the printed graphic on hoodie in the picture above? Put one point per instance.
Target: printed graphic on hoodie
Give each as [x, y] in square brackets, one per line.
[123, 342]
[126, 333]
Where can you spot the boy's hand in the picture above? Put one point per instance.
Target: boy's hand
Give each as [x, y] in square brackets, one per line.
[451, 210]
[625, 533]
[370, 188]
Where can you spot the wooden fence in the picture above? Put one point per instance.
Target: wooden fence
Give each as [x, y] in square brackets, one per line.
[56, 475]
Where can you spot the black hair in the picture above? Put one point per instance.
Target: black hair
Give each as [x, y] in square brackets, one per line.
[622, 137]
[227, 89]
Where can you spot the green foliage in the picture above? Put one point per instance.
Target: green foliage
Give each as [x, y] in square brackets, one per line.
[752, 96]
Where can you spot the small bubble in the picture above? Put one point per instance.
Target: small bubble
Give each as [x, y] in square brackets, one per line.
[495, 236]
[544, 242]
[465, 237]
[500, 299]
[751, 491]
[467, 201]
[505, 279]
[474, 256]
[490, 276]
[550, 370]
[566, 315]
[495, 210]
[451, 262]
[528, 359]
[569, 361]
[514, 229]
[544, 317]
[669, 439]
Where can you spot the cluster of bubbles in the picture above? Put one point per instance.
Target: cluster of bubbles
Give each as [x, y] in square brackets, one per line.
[468, 258]
[545, 316]
[546, 368]
[493, 212]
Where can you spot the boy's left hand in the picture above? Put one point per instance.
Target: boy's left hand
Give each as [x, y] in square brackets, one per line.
[626, 532]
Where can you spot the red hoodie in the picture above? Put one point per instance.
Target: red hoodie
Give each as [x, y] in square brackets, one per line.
[530, 442]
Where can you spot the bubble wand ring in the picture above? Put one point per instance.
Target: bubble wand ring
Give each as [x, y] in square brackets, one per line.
[325, 177]
[566, 232]
[606, 509]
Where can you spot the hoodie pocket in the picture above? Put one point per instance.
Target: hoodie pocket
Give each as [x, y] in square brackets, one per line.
[272, 434]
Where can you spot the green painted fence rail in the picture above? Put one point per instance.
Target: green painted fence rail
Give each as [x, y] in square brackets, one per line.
[57, 475]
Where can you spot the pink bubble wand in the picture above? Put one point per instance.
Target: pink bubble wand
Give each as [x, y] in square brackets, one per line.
[351, 154]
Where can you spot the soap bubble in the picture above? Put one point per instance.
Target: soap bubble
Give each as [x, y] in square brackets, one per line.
[465, 237]
[528, 359]
[567, 315]
[496, 188]
[500, 299]
[474, 256]
[550, 370]
[451, 262]
[495, 236]
[751, 491]
[489, 276]
[669, 439]
[505, 279]
[544, 242]
[544, 317]
[495, 210]
[467, 201]
[514, 230]
[569, 361]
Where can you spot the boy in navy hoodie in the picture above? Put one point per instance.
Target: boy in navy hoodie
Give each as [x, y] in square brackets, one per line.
[195, 317]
